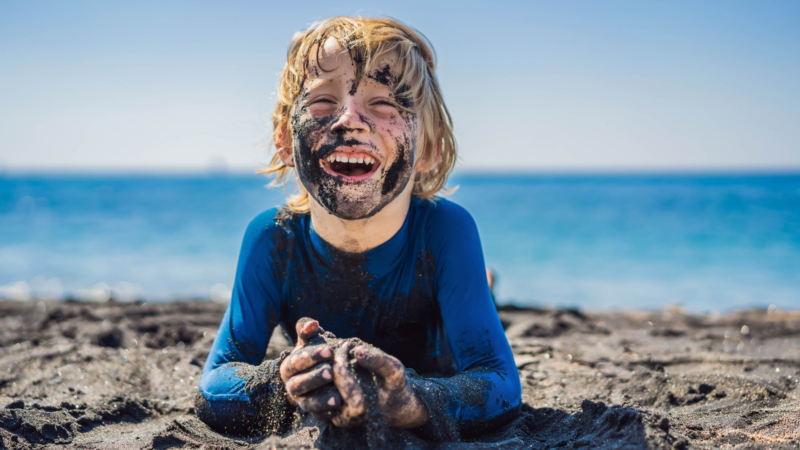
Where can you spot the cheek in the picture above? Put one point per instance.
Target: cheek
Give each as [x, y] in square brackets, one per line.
[308, 129]
[400, 134]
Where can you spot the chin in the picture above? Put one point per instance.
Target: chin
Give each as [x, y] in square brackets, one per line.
[352, 209]
[355, 195]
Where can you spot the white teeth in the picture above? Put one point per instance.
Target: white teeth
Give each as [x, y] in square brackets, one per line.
[351, 160]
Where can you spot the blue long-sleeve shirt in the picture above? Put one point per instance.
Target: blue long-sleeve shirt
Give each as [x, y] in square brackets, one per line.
[421, 296]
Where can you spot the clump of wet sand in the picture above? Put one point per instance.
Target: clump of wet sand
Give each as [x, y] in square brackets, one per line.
[124, 375]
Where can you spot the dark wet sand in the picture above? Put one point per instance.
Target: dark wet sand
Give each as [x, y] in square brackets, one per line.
[114, 375]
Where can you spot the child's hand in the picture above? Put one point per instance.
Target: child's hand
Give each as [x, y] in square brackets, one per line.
[307, 369]
[401, 407]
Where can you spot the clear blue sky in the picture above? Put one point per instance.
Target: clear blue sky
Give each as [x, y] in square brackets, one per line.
[540, 85]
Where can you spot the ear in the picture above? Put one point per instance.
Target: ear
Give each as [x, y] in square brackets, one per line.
[283, 142]
[425, 165]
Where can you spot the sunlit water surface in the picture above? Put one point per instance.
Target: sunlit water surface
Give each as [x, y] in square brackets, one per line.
[630, 241]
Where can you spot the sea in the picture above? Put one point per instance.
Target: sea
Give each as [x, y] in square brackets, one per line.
[703, 242]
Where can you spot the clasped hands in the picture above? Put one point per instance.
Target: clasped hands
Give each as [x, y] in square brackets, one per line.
[318, 380]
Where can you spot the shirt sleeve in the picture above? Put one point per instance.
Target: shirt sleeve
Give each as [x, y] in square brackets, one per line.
[226, 398]
[486, 390]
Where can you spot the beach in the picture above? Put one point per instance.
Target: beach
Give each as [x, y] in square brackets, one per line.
[124, 375]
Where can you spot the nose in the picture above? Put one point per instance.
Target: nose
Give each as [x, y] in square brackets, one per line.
[352, 119]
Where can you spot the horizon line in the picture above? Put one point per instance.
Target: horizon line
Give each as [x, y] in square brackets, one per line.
[469, 170]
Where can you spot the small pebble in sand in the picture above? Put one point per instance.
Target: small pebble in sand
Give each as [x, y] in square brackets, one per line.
[745, 330]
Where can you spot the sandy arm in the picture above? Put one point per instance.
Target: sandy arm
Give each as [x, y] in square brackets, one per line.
[237, 385]
[487, 390]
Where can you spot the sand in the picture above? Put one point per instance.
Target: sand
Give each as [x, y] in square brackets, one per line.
[124, 375]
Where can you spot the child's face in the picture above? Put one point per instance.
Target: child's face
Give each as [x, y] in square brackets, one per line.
[353, 148]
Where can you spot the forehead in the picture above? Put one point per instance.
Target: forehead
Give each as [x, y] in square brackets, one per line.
[330, 61]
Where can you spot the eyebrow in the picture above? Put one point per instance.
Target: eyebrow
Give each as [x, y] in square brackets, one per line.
[366, 82]
[318, 82]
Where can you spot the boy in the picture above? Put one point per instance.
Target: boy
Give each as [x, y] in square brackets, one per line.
[365, 251]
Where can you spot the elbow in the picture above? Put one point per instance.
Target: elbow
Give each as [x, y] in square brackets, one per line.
[211, 412]
[510, 388]
[203, 410]
[515, 389]
[511, 398]
[221, 404]
[234, 417]
[510, 402]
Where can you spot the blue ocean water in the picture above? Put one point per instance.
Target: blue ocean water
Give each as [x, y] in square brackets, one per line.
[707, 242]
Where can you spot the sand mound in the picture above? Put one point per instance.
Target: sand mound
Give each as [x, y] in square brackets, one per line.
[113, 375]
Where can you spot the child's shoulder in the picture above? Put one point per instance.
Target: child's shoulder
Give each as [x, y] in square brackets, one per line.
[440, 213]
[278, 220]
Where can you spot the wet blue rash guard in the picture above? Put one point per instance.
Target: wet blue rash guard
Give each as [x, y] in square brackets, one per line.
[421, 296]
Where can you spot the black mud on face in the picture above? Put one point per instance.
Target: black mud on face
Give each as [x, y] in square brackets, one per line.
[349, 201]
[386, 77]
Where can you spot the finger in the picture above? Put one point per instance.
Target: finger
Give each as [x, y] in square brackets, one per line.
[326, 415]
[327, 399]
[388, 368]
[353, 407]
[343, 420]
[307, 329]
[302, 359]
[303, 383]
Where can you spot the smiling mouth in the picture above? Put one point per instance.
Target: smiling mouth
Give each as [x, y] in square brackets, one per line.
[351, 166]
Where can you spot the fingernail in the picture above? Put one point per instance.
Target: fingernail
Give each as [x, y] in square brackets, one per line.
[326, 374]
[331, 401]
[326, 352]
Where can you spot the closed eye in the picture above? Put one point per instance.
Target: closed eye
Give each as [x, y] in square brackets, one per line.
[384, 102]
[322, 100]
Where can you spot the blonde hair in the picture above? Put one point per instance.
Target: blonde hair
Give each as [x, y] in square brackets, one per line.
[367, 40]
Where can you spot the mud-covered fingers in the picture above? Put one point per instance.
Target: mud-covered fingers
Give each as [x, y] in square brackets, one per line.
[343, 379]
[305, 382]
[324, 402]
[347, 417]
[353, 407]
[304, 358]
[326, 415]
[387, 367]
[307, 329]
